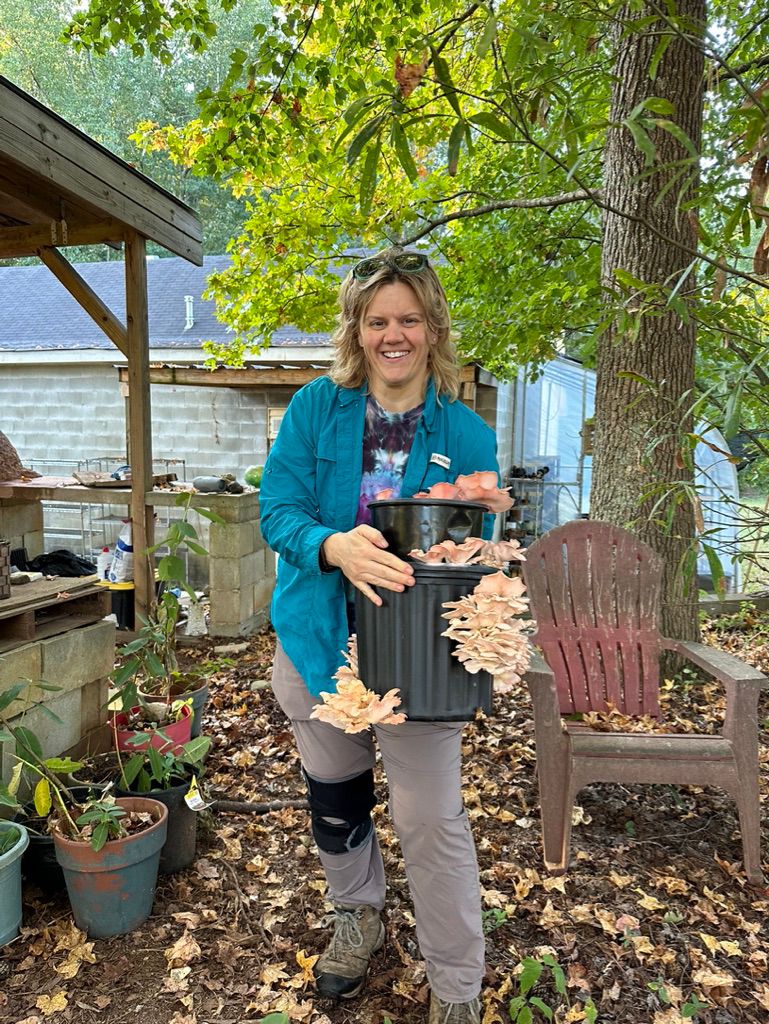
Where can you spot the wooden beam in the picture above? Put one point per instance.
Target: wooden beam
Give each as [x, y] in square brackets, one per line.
[58, 156]
[140, 420]
[82, 292]
[249, 376]
[27, 239]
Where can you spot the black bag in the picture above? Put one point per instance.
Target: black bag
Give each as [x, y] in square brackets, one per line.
[62, 563]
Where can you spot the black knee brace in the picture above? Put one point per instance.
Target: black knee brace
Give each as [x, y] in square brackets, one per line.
[341, 811]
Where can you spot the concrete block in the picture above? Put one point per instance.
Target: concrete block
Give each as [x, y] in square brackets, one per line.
[226, 607]
[246, 602]
[252, 568]
[79, 656]
[34, 542]
[231, 540]
[263, 593]
[21, 663]
[224, 575]
[20, 517]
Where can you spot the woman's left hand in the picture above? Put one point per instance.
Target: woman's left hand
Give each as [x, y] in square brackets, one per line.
[362, 555]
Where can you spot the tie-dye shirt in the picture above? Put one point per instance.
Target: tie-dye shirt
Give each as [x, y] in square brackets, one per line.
[387, 440]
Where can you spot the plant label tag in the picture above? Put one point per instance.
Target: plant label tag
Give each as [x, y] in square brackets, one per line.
[440, 460]
[193, 799]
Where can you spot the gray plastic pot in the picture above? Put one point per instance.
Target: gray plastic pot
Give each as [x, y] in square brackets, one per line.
[409, 523]
[400, 646]
[10, 883]
[181, 838]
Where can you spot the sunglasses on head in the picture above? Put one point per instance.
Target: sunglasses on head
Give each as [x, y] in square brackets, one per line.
[404, 262]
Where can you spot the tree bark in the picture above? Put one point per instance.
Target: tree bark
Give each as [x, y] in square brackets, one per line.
[637, 427]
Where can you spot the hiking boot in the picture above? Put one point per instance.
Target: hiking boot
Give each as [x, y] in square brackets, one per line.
[341, 970]
[454, 1013]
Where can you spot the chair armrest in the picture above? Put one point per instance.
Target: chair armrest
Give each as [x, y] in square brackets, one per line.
[539, 672]
[725, 667]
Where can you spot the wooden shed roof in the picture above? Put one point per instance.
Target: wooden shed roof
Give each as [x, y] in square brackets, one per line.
[59, 187]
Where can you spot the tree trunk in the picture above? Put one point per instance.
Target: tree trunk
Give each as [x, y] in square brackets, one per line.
[637, 426]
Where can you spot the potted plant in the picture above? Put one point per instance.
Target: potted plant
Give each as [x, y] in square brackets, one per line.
[149, 677]
[13, 842]
[168, 776]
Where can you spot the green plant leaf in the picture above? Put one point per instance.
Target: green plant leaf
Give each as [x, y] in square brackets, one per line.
[401, 146]
[443, 74]
[275, 1018]
[455, 146]
[62, 764]
[212, 517]
[642, 140]
[366, 134]
[485, 119]
[529, 976]
[542, 1006]
[488, 35]
[716, 569]
[368, 179]
[171, 568]
[732, 412]
[27, 742]
[100, 836]
[131, 769]
[7, 697]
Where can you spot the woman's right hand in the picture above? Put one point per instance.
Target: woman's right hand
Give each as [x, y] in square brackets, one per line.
[363, 557]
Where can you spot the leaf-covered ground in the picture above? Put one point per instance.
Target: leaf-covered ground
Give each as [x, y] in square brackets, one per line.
[653, 923]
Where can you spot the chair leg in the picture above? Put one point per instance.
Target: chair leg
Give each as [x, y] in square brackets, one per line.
[748, 807]
[556, 800]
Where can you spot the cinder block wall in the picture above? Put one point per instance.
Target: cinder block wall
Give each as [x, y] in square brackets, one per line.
[78, 663]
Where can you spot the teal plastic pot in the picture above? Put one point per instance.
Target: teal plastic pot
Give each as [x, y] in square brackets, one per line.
[10, 882]
[181, 839]
[111, 890]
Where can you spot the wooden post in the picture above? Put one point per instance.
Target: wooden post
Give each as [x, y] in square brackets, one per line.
[139, 420]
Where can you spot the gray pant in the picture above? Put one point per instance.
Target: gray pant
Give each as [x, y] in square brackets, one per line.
[422, 761]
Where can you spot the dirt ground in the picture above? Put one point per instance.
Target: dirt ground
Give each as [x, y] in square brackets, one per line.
[653, 923]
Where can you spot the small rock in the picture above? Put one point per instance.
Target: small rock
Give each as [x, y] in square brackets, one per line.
[231, 649]
[259, 684]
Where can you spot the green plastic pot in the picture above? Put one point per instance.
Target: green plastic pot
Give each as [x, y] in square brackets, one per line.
[111, 890]
[10, 883]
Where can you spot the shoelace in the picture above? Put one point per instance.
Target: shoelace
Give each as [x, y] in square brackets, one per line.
[448, 1008]
[346, 930]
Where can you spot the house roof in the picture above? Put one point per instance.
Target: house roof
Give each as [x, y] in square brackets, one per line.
[38, 314]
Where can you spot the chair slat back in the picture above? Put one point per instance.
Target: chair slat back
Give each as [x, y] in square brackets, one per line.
[595, 593]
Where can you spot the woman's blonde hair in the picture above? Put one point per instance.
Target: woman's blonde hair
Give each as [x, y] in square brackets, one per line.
[349, 366]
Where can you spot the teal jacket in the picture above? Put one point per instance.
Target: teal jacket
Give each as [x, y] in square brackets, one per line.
[310, 489]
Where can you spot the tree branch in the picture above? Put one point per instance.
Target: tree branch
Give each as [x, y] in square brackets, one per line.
[539, 202]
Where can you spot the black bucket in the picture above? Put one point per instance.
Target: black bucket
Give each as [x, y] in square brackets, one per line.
[409, 523]
[181, 839]
[400, 646]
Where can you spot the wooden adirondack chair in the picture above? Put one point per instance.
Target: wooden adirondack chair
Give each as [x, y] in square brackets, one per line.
[595, 596]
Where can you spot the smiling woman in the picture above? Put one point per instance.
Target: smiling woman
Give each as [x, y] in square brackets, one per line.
[386, 418]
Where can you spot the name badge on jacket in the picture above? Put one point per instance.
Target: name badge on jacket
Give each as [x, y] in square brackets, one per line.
[441, 460]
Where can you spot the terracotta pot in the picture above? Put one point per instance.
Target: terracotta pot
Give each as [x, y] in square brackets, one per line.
[111, 890]
[171, 736]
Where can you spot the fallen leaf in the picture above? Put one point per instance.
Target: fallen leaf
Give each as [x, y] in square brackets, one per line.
[183, 950]
[52, 1004]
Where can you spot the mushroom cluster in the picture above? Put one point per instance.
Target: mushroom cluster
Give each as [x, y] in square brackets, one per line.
[353, 708]
[490, 637]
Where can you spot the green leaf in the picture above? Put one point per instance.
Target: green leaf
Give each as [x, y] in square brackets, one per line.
[485, 119]
[275, 1018]
[525, 1016]
[171, 568]
[591, 1012]
[488, 35]
[401, 146]
[27, 742]
[529, 976]
[197, 548]
[542, 1006]
[367, 132]
[637, 377]
[212, 517]
[654, 64]
[732, 412]
[368, 178]
[628, 281]
[658, 105]
[716, 569]
[559, 978]
[7, 697]
[99, 837]
[443, 74]
[642, 140]
[62, 764]
[131, 769]
[42, 797]
[455, 146]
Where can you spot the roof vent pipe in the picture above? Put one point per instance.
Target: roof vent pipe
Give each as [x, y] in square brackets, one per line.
[189, 316]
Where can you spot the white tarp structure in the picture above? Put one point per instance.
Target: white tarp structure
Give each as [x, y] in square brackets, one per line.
[548, 418]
